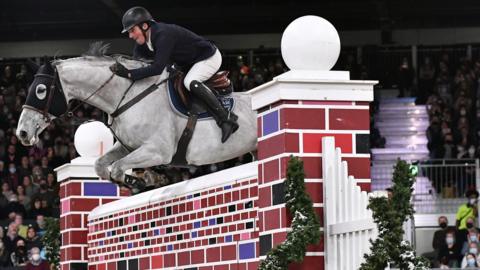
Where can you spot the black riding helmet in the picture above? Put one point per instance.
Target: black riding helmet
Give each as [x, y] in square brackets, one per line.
[135, 16]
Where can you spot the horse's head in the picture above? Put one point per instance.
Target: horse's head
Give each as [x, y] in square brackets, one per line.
[45, 101]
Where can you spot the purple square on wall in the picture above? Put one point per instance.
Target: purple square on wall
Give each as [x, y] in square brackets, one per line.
[246, 251]
[99, 189]
[270, 123]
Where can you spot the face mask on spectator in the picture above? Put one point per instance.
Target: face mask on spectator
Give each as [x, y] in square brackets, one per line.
[450, 240]
[36, 257]
[12, 170]
[443, 225]
[471, 262]
[473, 238]
[463, 112]
[473, 250]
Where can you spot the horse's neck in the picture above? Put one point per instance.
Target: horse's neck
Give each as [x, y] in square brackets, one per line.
[109, 97]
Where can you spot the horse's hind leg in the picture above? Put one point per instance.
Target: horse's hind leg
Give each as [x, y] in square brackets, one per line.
[143, 157]
[101, 164]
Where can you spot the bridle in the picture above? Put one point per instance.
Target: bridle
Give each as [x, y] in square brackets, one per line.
[55, 86]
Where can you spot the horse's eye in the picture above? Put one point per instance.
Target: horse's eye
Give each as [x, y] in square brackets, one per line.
[41, 91]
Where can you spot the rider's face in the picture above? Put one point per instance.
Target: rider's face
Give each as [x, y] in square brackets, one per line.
[136, 34]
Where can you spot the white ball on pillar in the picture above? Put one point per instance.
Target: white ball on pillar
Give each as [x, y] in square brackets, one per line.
[310, 43]
[93, 139]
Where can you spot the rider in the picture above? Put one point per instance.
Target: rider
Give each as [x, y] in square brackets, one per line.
[168, 44]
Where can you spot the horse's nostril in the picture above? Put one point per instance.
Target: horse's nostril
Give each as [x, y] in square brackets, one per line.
[23, 134]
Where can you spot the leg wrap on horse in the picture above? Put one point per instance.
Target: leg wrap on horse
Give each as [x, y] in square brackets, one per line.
[227, 123]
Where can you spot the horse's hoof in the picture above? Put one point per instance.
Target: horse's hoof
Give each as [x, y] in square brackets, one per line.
[135, 182]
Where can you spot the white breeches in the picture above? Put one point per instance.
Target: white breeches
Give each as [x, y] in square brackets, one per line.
[204, 69]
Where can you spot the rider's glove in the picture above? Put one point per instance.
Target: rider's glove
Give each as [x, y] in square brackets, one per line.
[120, 70]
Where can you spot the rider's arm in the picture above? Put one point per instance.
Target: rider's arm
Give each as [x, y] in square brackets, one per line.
[163, 46]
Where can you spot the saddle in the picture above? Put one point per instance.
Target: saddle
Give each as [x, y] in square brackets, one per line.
[218, 83]
[221, 87]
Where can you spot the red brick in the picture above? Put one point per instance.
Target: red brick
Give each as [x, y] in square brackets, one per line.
[63, 188]
[183, 258]
[73, 189]
[157, 261]
[315, 190]
[221, 267]
[272, 219]
[307, 263]
[278, 238]
[253, 265]
[73, 221]
[112, 266]
[206, 268]
[285, 142]
[271, 171]
[358, 167]
[264, 196]
[229, 252]
[298, 118]
[78, 237]
[197, 256]
[81, 204]
[73, 253]
[92, 267]
[259, 127]
[349, 119]
[312, 143]
[312, 167]
[213, 254]
[365, 186]
[169, 260]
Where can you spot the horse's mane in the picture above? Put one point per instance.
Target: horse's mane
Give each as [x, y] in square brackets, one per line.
[98, 50]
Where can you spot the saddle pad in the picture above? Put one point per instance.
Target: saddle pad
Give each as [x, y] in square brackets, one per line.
[227, 101]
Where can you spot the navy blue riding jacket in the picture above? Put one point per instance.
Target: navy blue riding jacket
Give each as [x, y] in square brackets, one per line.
[171, 44]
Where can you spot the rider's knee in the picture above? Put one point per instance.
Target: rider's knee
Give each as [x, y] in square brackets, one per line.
[188, 81]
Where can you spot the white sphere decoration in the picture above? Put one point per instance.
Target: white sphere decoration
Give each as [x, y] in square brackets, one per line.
[93, 139]
[310, 43]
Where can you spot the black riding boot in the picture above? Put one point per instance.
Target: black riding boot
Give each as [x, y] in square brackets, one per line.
[221, 116]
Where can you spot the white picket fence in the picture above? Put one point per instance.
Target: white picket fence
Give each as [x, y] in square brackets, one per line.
[348, 224]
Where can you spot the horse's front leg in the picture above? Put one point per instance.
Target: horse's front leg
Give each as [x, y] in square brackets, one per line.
[144, 157]
[101, 164]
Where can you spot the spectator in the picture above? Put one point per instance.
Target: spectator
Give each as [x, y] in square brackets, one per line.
[30, 188]
[36, 262]
[405, 77]
[467, 210]
[15, 207]
[472, 249]
[19, 256]
[40, 225]
[11, 238]
[4, 256]
[471, 262]
[22, 229]
[32, 239]
[23, 199]
[439, 238]
[450, 250]
[36, 209]
[6, 191]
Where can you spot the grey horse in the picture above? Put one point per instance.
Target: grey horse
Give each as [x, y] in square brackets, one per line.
[150, 128]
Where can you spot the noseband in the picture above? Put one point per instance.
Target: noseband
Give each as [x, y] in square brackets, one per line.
[55, 86]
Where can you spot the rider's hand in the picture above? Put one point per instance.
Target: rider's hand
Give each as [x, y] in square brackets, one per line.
[120, 70]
